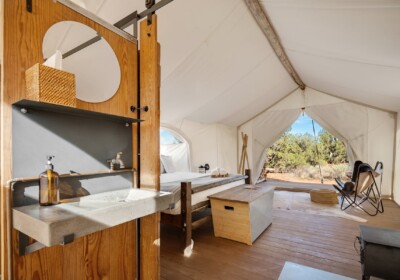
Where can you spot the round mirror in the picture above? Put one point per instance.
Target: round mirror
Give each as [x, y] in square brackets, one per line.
[86, 54]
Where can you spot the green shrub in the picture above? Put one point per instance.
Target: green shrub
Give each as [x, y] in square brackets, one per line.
[329, 171]
[296, 152]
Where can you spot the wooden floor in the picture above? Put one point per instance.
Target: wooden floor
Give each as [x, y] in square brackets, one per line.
[322, 242]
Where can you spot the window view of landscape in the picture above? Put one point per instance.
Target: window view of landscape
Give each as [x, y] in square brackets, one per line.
[300, 156]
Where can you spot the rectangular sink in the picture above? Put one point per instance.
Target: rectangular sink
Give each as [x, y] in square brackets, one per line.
[85, 215]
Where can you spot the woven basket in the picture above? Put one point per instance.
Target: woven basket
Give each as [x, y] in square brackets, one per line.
[46, 84]
[324, 196]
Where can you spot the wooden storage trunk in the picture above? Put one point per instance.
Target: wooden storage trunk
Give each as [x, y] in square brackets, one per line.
[46, 84]
[242, 214]
[324, 196]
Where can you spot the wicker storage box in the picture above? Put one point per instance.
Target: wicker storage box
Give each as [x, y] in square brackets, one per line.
[324, 196]
[46, 84]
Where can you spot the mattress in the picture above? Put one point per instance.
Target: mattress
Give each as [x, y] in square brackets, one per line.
[203, 196]
[180, 176]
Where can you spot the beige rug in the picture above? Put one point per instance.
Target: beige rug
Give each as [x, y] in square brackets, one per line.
[301, 202]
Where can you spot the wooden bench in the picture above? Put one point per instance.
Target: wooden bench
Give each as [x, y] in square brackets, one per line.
[242, 213]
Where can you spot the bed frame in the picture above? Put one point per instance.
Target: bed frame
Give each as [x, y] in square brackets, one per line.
[185, 220]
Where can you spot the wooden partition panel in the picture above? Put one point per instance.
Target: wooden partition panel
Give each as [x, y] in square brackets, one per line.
[150, 145]
[109, 254]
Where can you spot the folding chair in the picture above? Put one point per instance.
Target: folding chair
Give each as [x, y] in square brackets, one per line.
[354, 175]
[363, 189]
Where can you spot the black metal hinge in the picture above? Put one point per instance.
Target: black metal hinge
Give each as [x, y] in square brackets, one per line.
[29, 5]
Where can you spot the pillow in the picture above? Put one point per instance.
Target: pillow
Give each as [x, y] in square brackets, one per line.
[162, 169]
[168, 164]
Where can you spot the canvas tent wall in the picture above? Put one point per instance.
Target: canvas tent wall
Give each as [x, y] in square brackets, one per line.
[215, 144]
[174, 144]
[368, 133]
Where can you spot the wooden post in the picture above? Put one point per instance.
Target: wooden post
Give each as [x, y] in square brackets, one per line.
[248, 174]
[186, 212]
[244, 158]
[109, 254]
[150, 145]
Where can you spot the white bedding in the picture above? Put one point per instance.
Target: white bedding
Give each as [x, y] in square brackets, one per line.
[180, 176]
[203, 196]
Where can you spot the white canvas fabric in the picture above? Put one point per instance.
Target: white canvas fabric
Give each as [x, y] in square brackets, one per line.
[350, 49]
[219, 72]
[215, 144]
[360, 127]
[178, 153]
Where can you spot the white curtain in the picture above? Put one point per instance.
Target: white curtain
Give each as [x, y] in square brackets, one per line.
[368, 133]
[266, 131]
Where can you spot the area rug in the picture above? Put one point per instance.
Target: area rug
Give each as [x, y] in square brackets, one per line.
[301, 202]
[294, 271]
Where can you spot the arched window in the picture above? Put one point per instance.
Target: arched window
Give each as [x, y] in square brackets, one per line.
[175, 151]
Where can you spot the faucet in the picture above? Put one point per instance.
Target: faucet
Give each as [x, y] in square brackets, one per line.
[117, 162]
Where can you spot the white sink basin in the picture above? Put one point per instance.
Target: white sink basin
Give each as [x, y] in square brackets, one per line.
[122, 195]
[48, 225]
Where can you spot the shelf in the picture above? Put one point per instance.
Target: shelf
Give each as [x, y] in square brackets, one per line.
[53, 225]
[73, 175]
[42, 106]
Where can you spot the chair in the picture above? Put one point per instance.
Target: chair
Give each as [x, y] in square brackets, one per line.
[363, 188]
[354, 175]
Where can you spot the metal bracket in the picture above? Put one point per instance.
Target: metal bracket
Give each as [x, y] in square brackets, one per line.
[68, 239]
[144, 108]
[133, 18]
[29, 5]
[24, 248]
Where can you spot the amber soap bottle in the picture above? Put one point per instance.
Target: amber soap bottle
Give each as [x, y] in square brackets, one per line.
[49, 190]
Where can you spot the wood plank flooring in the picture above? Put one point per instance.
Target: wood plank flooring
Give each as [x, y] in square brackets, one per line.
[321, 242]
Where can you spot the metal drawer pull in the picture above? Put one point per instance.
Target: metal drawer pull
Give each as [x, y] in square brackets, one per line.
[230, 208]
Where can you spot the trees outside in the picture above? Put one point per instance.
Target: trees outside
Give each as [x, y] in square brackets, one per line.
[292, 151]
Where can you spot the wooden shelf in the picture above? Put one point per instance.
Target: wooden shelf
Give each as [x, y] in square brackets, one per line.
[42, 106]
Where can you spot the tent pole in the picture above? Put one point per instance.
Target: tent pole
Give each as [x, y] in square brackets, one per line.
[264, 23]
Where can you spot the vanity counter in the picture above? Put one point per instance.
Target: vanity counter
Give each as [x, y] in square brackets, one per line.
[50, 225]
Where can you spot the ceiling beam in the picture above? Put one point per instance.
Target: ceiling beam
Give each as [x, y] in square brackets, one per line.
[264, 23]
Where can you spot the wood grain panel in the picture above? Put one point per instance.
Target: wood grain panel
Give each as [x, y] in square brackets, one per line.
[150, 145]
[232, 224]
[87, 257]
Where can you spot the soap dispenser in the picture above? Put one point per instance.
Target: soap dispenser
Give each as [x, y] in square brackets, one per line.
[49, 190]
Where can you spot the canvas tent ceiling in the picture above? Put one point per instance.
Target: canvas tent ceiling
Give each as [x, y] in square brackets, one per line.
[218, 67]
[215, 60]
[350, 49]
[215, 56]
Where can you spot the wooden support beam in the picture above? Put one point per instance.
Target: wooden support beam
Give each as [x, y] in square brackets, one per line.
[247, 172]
[150, 145]
[186, 212]
[264, 23]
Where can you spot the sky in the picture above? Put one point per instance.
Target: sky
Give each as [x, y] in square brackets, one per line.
[303, 125]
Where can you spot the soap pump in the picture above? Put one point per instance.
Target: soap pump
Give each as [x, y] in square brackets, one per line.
[49, 190]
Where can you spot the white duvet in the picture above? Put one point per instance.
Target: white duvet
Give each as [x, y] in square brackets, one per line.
[180, 176]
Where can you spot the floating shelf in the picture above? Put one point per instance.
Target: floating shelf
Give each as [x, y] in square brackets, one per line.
[42, 106]
[73, 175]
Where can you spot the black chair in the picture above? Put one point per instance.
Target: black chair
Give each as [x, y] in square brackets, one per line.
[363, 188]
[354, 175]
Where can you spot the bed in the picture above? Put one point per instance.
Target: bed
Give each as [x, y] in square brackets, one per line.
[191, 191]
